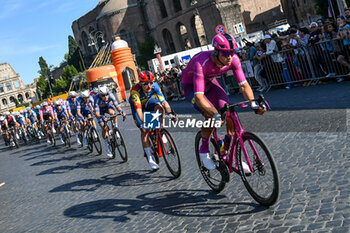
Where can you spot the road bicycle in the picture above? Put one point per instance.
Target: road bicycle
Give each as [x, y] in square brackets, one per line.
[92, 137]
[49, 132]
[11, 139]
[65, 133]
[262, 180]
[115, 138]
[163, 145]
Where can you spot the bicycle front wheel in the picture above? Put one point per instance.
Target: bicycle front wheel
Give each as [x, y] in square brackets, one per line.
[218, 177]
[170, 154]
[120, 144]
[96, 140]
[263, 182]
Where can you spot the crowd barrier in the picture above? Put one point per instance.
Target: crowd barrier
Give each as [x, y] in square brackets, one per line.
[295, 66]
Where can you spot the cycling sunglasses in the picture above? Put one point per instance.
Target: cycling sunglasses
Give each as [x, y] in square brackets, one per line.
[227, 53]
[146, 83]
[103, 95]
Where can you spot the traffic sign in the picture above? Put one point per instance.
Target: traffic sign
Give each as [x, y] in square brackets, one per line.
[220, 29]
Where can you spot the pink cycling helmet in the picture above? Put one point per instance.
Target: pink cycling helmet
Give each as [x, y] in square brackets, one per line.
[224, 42]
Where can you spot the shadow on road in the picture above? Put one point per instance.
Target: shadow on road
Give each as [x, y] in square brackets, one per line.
[81, 165]
[185, 203]
[134, 178]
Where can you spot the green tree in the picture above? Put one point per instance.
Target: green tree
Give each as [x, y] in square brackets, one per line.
[42, 85]
[74, 57]
[63, 83]
[146, 53]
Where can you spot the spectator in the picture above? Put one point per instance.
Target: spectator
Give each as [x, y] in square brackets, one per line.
[304, 37]
[274, 68]
[314, 33]
[343, 34]
[259, 68]
[320, 23]
[347, 16]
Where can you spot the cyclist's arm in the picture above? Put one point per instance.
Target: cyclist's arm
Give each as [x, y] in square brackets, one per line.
[241, 79]
[115, 102]
[97, 108]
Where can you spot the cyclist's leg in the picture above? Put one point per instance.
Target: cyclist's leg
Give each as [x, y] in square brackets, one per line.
[219, 98]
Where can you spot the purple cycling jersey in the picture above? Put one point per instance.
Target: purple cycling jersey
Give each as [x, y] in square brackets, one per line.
[201, 70]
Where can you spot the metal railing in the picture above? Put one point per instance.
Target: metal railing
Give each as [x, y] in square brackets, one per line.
[294, 66]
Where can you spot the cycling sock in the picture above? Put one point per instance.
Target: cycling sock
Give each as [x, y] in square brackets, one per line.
[60, 136]
[227, 141]
[106, 143]
[205, 145]
[148, 152]
[115, 125]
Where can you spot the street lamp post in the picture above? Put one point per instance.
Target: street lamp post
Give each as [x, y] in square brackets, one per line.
[94, 36]
[47, 77]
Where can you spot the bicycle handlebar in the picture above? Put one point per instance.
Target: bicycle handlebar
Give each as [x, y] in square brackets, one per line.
[260, 101]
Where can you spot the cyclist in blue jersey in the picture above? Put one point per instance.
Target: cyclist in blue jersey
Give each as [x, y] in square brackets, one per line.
[86, 110]
[73, 106]
[61, 115]
[105, 102]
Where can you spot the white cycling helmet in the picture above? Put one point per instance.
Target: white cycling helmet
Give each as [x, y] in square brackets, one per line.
[28, 108]
[2, 118]
[103, 90]
[44, 103]
[95, 90]
[58, 102]
[16, 113]
[85, 94]
[72, 94]
[38, 106]
[7, 113]
[21, 111]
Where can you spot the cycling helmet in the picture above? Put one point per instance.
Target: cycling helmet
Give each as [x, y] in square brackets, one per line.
[103, 90]
[28, 108]
[146, 76]
[38, 106]
[16, 113]
[224, 42]
[2, 118]
[7, 113]
[72, 94]
[58, 102]
[49, 103]
[21, 111]
[44, 103]
[95, 90]
[85, 94]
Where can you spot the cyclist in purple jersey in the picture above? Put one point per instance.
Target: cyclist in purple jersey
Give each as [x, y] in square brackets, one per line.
[204, 92]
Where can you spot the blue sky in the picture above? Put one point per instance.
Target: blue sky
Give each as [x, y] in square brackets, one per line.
[34, 28]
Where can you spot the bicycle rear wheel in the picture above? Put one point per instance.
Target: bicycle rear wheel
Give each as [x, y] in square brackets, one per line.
[96, 140]
[65, 134]
[263, 182]
[170, 154]
[120, 144]
[216, 178]
[51, 136]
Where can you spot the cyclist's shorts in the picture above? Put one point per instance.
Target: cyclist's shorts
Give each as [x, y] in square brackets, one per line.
[148, 107]
[214, 94]
[11, 124]
[20, 121]
[86, 112]
[74, 113]
[61, 116]
[103, 111]
[32, 119]
[46, 117]
[3, 127]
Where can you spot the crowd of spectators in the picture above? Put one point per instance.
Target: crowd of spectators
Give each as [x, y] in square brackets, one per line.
[170, 83]
[282, 57]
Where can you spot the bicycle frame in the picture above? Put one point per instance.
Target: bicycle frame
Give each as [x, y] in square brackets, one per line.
[238, 133]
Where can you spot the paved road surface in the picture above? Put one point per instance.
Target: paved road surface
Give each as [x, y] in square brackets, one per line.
[67, 190]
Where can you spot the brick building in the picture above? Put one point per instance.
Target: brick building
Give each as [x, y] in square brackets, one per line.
[175, 25]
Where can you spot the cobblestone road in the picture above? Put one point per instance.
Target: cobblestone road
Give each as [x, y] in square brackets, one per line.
[67, 190]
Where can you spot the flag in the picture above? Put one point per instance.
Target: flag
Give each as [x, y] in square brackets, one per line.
[329, 9]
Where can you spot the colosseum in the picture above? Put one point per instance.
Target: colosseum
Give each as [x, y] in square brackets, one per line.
[12, 88]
